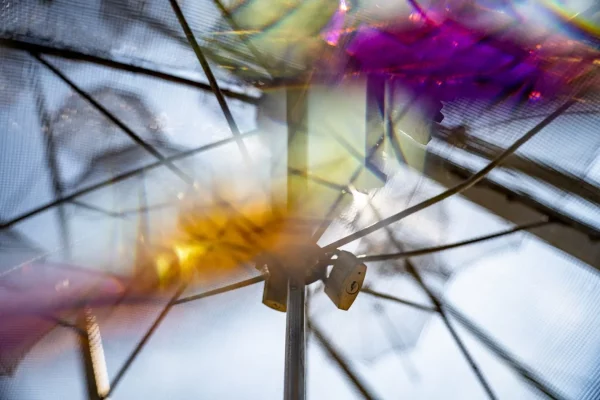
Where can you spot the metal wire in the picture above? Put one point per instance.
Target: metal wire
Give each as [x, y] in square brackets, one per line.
[211, 79]
[458, 188]
[138, 348]
[436, 249]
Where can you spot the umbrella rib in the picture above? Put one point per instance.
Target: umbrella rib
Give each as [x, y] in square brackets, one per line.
[116, 179]
[367, 163]
[340, 362]
[493, 346]
[463, 349]
[316, 179]
[466, 184]
[159, 206]
[394, 336]
[227, 15]
[119, 376]
[412, 270]
[391, 129]
[436, 249]
[122, 66]
[99, 210]
[462, 172]
[321, 230]
[211, 79]
[328, 216]
[224, 289]
[132, 135]
[497, 349]
[395, 299]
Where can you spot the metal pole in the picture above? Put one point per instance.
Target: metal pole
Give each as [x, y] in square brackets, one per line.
[294, 381]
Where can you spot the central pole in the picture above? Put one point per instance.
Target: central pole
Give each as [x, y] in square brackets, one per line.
[297, 158]
[295, 347]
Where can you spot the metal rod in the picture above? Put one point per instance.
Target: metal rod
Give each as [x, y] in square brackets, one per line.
[212, 80]
[463, 349]
[70, 54]
[52, 162]
[467, 183]
[91, 207]
[462, 172]
[436, 249]
[224, 289]
[413, 271]
[295, 369]
[370, 153]
[332, 209]
[124, 128]
[231, 21]
[116, 179]
[395, 299]
[146, 337]
[341, 363]
[530, 376]
[552, 175]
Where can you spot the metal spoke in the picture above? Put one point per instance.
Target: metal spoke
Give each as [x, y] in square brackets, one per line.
[126, 213]
[316, 179]
[98, 210]
[224, 289]
[340, 362]
[413, 271]
[481, 174]
[482, 380]
[436, 249]
[329, 215]
[530, 376]
[118, 178]
[492, 345]
[371, 153]
[211, 79]
[145, 338]
[395, 299]
[227, 15]
[549, 174]
[390, 126]
[121, 66]
[365, 161]
[132, 135]
[394, 337]
[448, 172]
